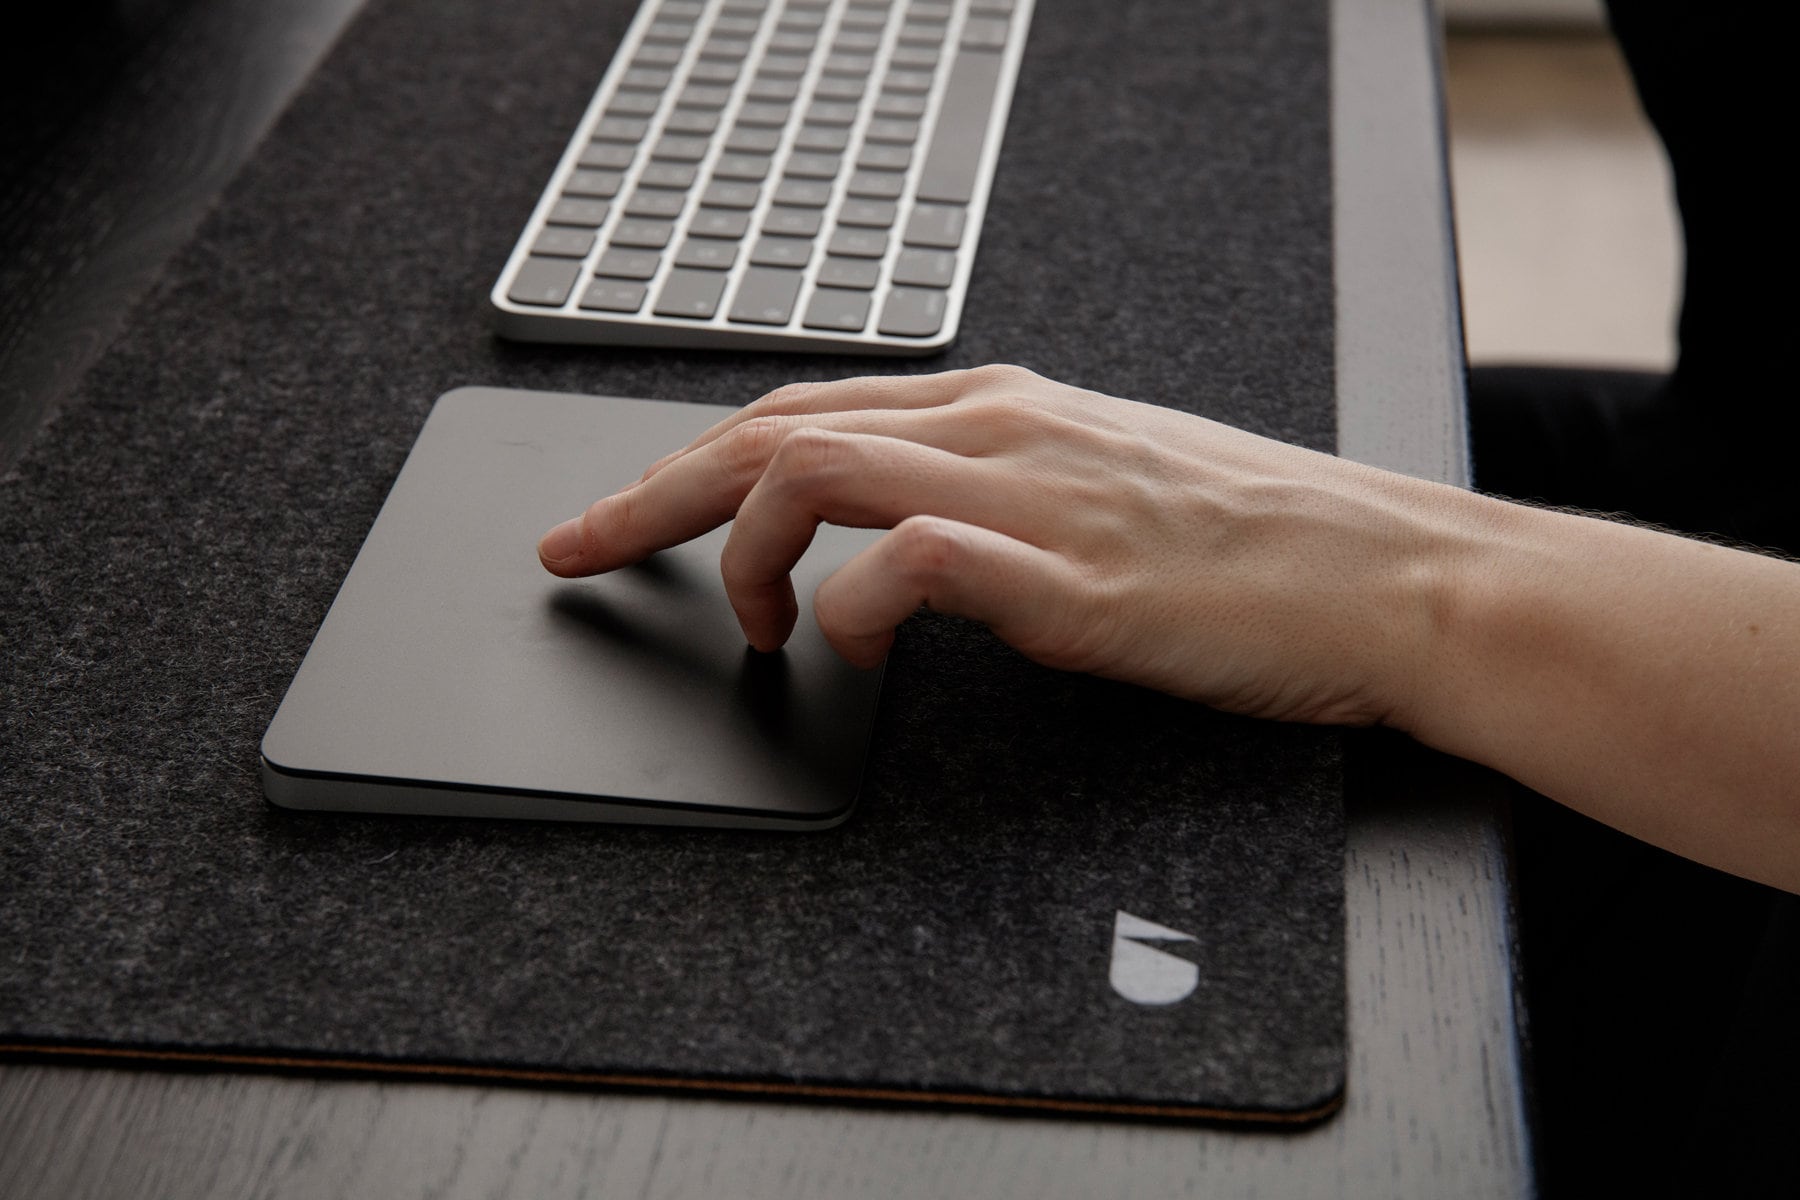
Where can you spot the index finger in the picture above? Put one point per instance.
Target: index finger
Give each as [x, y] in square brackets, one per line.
[703, 489]
[839, 395]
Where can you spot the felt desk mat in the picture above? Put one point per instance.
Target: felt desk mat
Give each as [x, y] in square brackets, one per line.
[1159, 228]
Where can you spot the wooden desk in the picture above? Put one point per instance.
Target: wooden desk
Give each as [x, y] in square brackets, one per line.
[1436, 1097]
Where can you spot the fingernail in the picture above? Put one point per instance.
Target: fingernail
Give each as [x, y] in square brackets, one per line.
[561, 542]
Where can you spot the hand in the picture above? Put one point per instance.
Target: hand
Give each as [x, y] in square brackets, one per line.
[1091, 533]
[1644, 679]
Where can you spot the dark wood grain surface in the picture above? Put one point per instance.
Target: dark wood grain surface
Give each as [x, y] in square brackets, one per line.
[1436, 1099]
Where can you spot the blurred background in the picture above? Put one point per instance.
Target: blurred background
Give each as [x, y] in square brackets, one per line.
[1565, 222]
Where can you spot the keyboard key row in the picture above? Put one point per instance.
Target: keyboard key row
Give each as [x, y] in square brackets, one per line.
[725, 213]
[766, 295]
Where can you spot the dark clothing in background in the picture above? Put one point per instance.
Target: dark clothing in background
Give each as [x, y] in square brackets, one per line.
[1663, 997]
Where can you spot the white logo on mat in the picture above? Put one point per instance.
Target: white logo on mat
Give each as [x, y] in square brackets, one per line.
[1143, 974]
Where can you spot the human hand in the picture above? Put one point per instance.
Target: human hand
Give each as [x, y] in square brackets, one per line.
[1089, 532]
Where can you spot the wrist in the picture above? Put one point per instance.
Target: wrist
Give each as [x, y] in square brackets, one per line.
[1463, 578]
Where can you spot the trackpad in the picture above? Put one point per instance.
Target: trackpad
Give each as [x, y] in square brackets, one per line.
[454, 676]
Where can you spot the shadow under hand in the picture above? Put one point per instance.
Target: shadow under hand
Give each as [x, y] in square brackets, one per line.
[673, 629]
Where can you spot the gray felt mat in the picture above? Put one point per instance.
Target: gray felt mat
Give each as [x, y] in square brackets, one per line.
[1160, 228]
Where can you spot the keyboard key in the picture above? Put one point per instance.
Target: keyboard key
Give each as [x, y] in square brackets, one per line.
[653, 56]
[720, 223]
[593, 183]
[913, 312]
[634, 104]
[790, 42]
[892, 131]
[765, 116]
[750, 167]
[918, 33]
[610, 295]
[871, 214]
[627, 264]
[792, 222]
[728, 49]
[737, 26]
[544, 281]
[954, 160]
[857, 41]
[574, 210]
[899, 106]
[822, 139]
[679, 176]
[813, 166]
[676, 148]
[858, 243]
[654, 202]
[926, 268]
[787, 66]
[837, 88]
[692, 122]
[766, 296]
[708, 254]
[607, 156]
[747, 140]
[922, 58]
[774, 90]
[691, 294]
[885, 158]
[702, 95]
[860, 273]
[907, 82]
[621, 129]
[715, 71]
[984, 33]
[649, 235]
[835, 308]
[558, 242]
[723, 193]
[857, 66]
[877, 185]
[803, 193]
[781, 252]
[864, 18]
[831, 112]
[939, 225]
[646, 79]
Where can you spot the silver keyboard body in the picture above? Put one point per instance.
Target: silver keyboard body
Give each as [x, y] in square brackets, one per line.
[804, 175]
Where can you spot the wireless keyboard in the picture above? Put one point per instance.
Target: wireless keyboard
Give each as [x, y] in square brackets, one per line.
[775, 174]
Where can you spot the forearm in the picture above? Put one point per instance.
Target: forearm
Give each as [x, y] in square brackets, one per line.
[1650, 681]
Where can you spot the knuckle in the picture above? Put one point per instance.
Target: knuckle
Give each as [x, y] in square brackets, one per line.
[1010, 411]
[1007, 418]
[807, 457]
[1001, 376]
[788, 398]
[749, 447]
[927, 548]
